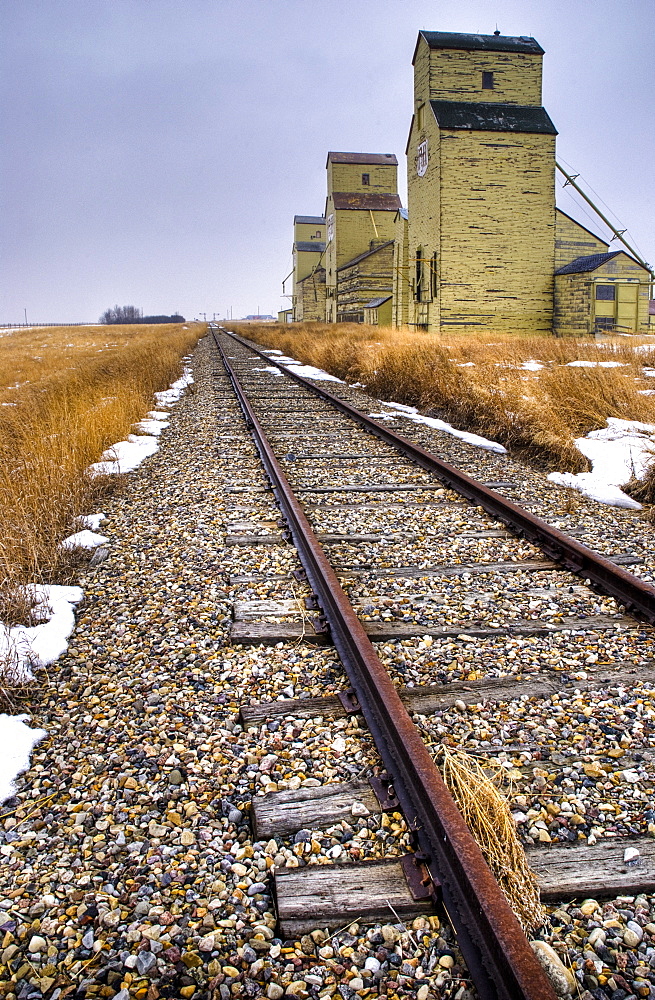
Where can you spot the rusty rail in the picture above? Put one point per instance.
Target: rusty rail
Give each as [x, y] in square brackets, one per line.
[500, 960]
[637, 596]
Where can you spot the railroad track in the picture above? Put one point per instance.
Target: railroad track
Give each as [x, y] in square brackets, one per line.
[432, 511]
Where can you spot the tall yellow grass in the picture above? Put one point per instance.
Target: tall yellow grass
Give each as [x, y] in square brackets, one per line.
[66, 394]
[478, 383]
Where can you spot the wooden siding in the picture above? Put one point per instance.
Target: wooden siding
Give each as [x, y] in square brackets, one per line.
[304, 232]
[383, 177]
[366, 279]
[497, 249]
[573, 306]
[353, 233]
[310, 305]
[353, 229]
[304, 261]
[456, 75]
[401, 275]
[424, 208]
[572, 240]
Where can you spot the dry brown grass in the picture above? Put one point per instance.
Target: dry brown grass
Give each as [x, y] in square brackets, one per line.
[66, 394]
[478, 382]
[488, 817]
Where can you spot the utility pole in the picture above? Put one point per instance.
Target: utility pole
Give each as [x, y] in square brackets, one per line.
[25, 311]
[618, 233]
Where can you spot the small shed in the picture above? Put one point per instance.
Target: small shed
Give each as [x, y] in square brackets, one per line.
[602, 291]
[285, 316]
[378, 312]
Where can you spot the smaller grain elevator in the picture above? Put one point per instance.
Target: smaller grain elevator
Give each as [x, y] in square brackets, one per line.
[362, 200]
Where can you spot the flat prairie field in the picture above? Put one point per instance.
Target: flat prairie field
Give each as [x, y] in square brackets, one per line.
[534, 395]
[67, 394]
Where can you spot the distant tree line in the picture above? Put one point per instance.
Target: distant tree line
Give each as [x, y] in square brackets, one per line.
[132, 314]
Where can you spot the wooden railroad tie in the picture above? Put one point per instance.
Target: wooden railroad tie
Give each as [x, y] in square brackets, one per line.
[383, 891]
[254, 633]
[426, 699]
[318, 896]
[331, 895]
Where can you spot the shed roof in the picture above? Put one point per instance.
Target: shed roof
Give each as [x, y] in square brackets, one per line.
[488, 43]
[345, 200]
[492, 117]
[309, 246]
[387, 158]
[363, 256]
[374, 303]
[590, 263]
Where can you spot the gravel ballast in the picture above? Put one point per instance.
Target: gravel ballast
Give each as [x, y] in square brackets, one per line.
[129, 869]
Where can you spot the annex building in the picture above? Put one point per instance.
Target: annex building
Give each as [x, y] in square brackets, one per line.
[481, 246]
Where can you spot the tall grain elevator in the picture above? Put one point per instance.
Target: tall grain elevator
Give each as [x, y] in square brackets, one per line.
[481, 187]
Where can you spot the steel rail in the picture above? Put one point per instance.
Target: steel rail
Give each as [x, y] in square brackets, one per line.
[498, 955]
[637, 596]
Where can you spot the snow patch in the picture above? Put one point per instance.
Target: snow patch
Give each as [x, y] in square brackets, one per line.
[316, 374]
[124, 456]
[305, 371]
[150, 426]
[171, 395]
[92, 521]
[440, 425]
[617, 452]
[531, 366]
[16, 744]
[84, 539]
[39, 645]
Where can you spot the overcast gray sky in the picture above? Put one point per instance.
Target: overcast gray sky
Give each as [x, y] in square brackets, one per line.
[154, 152]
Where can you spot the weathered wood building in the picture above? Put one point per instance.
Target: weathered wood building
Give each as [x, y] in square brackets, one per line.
[365, 277]
[379, 312]
[308, 303]
[362, 201]
[601, 291]
[481, 186]
[596, 289]
[482, 246]
[401, 283]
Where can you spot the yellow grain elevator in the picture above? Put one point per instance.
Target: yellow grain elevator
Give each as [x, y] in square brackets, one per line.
[362, 201]
[481, 187]
[308, 250]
